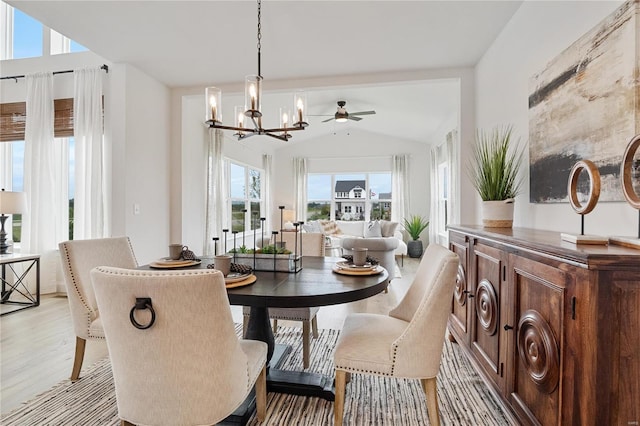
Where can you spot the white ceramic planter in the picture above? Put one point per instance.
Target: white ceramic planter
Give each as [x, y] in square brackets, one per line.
[497, 214]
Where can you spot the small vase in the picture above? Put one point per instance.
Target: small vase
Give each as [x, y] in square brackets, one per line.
[414, 248]
[497, 214]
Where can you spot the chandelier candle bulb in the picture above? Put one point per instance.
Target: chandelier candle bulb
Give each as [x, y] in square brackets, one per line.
[213, 97]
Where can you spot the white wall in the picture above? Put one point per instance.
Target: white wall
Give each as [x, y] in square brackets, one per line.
[535, 35]
[138, 131]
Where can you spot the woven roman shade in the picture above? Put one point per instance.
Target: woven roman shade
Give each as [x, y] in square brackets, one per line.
[13, 117]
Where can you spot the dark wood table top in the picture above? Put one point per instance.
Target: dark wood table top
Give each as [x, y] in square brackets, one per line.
[315, 285]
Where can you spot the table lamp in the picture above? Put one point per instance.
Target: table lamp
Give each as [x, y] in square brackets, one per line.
[288, 216]
[10, 203]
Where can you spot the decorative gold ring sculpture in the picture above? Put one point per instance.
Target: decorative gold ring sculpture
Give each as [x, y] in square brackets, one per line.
[594, 186]
[625, 172]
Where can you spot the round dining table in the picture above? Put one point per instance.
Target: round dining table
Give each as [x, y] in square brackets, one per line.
[316, 284]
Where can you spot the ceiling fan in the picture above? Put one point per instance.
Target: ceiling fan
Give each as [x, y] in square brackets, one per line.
[342, 115]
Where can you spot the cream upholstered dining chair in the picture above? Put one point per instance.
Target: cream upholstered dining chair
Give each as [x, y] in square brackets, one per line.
[408, 342]
[313, 244]
[187, 367]
[79, 257]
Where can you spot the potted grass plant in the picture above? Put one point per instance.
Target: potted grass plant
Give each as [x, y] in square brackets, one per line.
[414, 226]
[494, 172]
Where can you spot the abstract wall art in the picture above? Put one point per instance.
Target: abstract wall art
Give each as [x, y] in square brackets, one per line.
[585, 104]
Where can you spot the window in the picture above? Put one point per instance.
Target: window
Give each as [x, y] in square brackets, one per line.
[15, 161]
[245, 197]
[349, 197]
[24, 37]
[443, 198]
[27, 36]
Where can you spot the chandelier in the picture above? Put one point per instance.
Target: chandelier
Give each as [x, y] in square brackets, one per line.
[248, 119]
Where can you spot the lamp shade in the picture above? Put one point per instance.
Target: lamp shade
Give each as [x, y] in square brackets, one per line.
[288, 215]
[12, 202]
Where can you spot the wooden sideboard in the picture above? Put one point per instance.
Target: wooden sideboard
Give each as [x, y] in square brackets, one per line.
[553, 328]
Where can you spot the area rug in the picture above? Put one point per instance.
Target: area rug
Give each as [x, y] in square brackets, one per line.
[370, 400]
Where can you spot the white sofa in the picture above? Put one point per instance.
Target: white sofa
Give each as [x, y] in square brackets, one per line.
[339, 229]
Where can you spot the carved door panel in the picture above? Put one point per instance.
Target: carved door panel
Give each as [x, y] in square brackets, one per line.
[460, 311]
[487, 301]
[538, 297]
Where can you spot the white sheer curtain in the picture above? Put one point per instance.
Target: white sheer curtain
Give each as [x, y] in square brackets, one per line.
[300, 187]
[267, 165]
[90, 194]
[453, 209]
[44, 225]
[6, 166]
[400, 188]
[215, 215]
[434, 199]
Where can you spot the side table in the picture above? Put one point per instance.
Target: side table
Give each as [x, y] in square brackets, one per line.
[15, 283]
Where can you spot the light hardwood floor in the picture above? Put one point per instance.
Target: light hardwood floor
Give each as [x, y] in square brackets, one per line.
[37, 344]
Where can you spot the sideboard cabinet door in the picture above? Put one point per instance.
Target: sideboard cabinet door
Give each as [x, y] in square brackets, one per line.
[534, 382]
[488, 306]
[459, 318]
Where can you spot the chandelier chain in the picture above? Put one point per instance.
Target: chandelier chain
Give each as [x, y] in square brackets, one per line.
[259, 45]
[259, 24]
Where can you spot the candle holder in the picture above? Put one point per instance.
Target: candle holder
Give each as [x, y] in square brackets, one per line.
[225, 239]
[281, 221]
[254, 218]
[244, 221]
[215, 245]
[275, 248]
[235, 251]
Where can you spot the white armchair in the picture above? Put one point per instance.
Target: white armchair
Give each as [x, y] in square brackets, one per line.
[408, 342]
[79, 257]
[188, 367]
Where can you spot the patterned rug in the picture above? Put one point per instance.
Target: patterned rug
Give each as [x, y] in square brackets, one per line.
[370, 400]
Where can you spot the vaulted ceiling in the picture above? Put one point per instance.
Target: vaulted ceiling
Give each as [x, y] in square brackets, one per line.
[202, 43]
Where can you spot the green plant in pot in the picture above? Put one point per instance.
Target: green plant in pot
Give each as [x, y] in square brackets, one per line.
[494, 171]
[414, 227]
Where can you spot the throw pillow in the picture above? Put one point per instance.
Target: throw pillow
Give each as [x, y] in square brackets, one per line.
[330, 227]
[372, 229]
[388, 228]
[313, 226]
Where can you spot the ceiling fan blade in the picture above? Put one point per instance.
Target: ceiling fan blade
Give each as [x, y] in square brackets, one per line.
[328, 119]
[354, 118]
[362, 113]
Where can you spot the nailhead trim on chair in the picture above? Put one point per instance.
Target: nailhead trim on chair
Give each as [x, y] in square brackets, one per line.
[357, 370]
[82, 299]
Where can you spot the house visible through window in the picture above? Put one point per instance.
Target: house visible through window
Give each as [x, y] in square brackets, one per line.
[364, 196]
